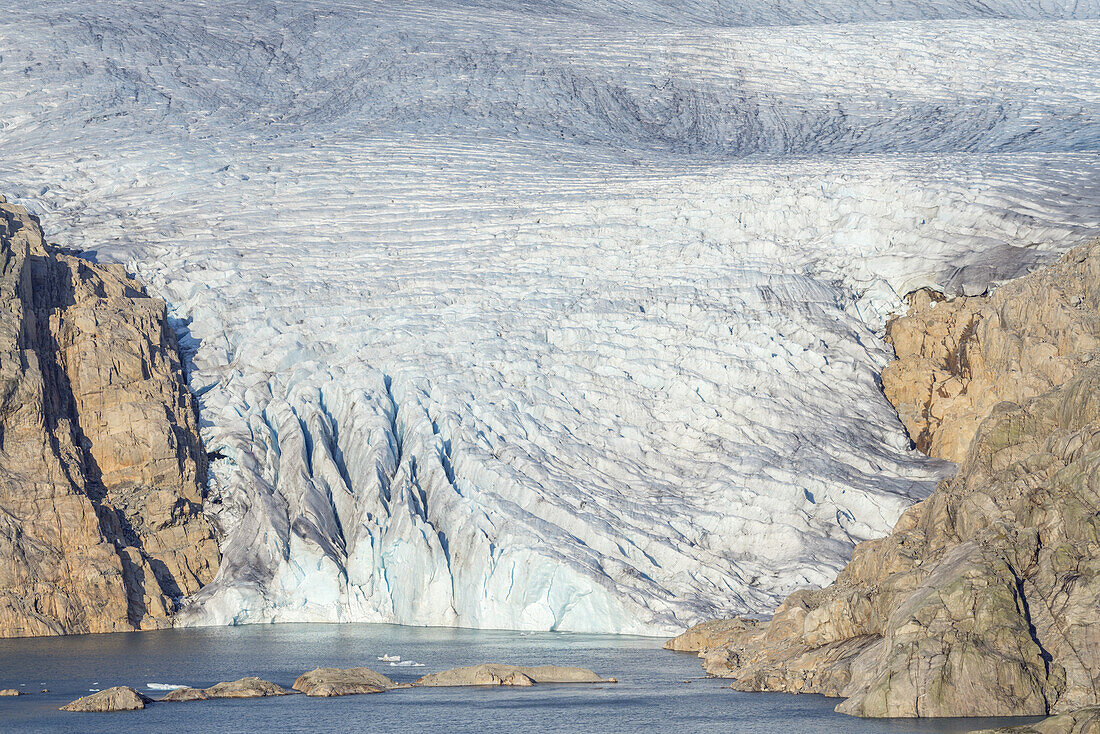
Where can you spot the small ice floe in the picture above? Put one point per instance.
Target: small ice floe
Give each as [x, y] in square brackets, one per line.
[164, 686]
[94, 690]
[406, 664]
[390, 658]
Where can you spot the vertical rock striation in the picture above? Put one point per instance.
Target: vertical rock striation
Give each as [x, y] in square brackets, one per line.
[985, 598]
[101, 467]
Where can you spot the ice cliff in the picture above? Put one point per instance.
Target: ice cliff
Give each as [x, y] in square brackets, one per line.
[549, 315]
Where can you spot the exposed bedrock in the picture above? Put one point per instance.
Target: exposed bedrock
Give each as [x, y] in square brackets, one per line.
[957, 359]
[101, 467]
[985, 598]
[328, 682]
[1085, 721]
[247, 687]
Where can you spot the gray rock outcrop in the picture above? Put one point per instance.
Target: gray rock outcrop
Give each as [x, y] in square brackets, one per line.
[101, 466]
[185, 693]
[119, 698]
[326, 682]
[247, 687]
[1084, 721]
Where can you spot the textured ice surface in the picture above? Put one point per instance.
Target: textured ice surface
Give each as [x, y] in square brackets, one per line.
[549, 315]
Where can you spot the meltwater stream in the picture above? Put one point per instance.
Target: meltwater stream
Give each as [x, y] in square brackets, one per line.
[653, 693]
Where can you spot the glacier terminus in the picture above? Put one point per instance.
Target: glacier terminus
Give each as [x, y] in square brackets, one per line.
[543, 314]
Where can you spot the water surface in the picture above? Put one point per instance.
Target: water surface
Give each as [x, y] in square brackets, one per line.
[658, 690]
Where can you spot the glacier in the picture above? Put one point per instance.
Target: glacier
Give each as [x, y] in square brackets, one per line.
[549, 315]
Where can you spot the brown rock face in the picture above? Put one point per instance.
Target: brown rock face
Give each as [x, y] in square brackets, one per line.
[101, 467]
[957, 359]
[707, 635]
[119, 698]
[985, 598]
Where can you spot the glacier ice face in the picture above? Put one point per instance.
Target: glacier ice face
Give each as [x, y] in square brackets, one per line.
[549, 315]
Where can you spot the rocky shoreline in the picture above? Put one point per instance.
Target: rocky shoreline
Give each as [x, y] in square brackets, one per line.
[985, 598]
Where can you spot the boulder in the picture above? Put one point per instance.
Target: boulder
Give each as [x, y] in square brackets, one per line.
[185, 693]
[516, 678]
[119, 698]
[11, 692]
[493, 674]
[325, 682]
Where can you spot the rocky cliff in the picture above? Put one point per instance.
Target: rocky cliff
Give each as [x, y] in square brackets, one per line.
[985, 598]
[101, 467]
[957, 359]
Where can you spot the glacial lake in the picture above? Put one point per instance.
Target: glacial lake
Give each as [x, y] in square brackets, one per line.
[652, 694]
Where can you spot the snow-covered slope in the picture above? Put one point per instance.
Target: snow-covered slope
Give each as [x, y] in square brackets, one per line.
[549, 315]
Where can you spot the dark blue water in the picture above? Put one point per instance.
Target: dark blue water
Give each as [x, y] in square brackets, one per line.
[653, 693]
